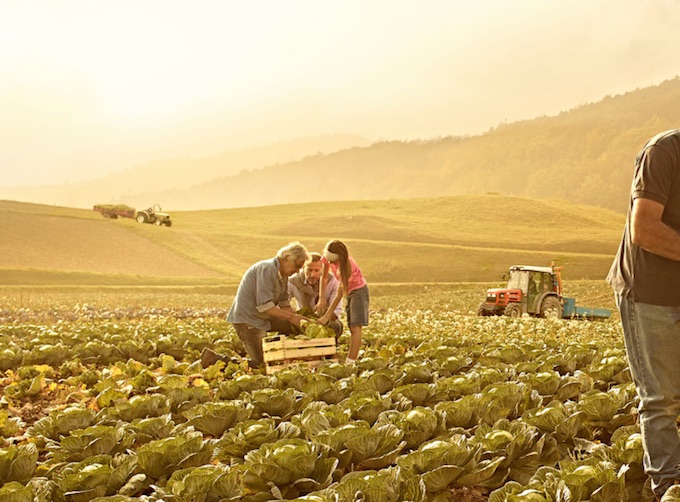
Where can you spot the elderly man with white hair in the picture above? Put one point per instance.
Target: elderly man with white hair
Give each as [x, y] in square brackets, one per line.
[262, 303]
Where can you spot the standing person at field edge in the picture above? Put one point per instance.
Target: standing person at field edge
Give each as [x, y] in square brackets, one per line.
[262, 303]
[645, 276]
[304, 287]
[352, 285]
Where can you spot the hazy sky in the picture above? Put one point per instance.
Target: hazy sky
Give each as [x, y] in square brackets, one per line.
[89, 87]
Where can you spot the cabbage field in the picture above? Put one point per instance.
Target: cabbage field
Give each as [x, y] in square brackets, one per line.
[110, 403]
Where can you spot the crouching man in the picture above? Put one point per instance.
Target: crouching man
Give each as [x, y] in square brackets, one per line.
[262, 303]
[304, 287]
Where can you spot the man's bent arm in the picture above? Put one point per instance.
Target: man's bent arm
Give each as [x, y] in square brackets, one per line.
[650, 233]
[285, 313]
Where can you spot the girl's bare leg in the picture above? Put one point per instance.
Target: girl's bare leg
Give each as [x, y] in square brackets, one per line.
[354, 342]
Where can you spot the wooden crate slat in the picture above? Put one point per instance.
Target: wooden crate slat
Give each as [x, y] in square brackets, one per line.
[275, 355]
[281, 341]
[273, 368]
[280, 352]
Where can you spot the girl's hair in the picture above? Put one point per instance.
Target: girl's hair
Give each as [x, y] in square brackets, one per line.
[337, 247]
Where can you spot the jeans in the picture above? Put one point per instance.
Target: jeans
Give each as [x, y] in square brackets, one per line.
[251, 337]
[652, 337]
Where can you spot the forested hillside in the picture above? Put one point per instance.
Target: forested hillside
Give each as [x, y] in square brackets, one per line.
[584, 155]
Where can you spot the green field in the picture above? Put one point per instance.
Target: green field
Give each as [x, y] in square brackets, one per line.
[439, 240]
[104, 400]
[461, 297]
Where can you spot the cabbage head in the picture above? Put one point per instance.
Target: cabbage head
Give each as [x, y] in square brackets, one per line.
[289, 468]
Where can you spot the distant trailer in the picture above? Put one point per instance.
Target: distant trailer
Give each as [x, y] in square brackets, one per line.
[114, 211]
[571, 311]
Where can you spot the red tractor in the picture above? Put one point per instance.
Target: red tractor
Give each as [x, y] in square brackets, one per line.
[536, 291]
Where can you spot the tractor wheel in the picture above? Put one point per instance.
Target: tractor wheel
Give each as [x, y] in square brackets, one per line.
[168, 223]
[551, 308]
[482, 311]
[141, 218]
[513, 310]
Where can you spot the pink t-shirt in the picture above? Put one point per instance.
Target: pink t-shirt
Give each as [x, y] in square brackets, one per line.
[356, 278]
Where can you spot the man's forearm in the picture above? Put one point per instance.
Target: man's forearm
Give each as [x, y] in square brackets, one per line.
[284, 313]
[649, 232]
[659, 239]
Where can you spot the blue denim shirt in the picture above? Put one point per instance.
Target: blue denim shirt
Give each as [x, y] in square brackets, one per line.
[262, 287]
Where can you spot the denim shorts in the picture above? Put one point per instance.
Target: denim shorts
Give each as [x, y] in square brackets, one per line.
[357, 307]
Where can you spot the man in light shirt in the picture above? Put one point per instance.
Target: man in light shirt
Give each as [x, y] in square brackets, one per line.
[262, 303]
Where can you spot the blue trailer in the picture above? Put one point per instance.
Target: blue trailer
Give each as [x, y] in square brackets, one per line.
[571, 311]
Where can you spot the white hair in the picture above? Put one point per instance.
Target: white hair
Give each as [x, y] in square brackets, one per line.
[294, 251]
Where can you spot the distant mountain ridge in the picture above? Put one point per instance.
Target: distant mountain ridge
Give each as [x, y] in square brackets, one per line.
[584, 155]
[179, 174]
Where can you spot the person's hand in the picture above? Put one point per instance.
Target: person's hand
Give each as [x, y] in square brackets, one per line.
[324, 319]
[296, 319]
[321, 305]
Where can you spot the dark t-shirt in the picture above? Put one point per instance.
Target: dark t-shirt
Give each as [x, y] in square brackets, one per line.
[648, 277]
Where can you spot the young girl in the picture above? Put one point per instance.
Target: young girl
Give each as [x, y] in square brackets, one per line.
[352, 285]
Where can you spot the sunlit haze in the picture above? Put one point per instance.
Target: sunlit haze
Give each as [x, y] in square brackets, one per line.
[90, 88]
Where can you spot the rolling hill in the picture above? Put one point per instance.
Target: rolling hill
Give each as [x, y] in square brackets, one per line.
[448, 239]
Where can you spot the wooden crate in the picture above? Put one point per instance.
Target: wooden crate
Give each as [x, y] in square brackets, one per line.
[281, 352]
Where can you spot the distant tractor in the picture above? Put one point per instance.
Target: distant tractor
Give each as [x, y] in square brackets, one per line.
[149, 215]
[536, 291]
[153, 215]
